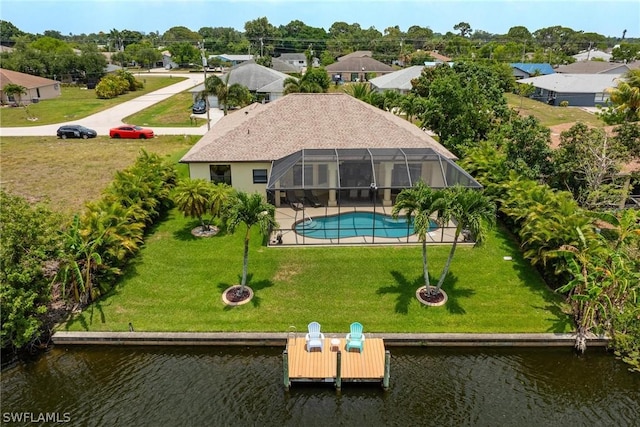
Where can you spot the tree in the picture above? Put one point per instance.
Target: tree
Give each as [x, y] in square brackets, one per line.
[13, 90]
[464, 29]
[235, 95]
[419, 203]
[315, 80]
[184, 53]
[525, 91]
[28, 239]
[249, 210]
[471, 211]
[528, 147]
[625, 97]
[198, 197]
[588, 163]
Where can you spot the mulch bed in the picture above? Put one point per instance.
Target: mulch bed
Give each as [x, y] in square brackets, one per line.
[232, 294]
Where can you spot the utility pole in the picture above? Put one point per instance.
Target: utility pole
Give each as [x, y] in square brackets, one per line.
[261, 48]
[206, 95]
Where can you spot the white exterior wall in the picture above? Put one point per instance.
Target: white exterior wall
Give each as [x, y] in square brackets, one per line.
[241, 175]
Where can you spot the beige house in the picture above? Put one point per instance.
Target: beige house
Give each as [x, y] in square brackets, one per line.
[332, 145]
[357, 69]
[37, 88]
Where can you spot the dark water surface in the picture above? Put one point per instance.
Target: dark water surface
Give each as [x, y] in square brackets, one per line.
[229, 386]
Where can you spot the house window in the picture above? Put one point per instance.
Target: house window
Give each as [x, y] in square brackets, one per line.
[220, 174]
[259, 176]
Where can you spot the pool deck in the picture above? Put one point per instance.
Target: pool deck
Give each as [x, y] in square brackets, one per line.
[287, 217]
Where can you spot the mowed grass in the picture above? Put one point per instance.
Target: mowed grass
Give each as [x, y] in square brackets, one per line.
[172, 112]
[67, 173]
[550, 115]
[75, 103]
[177, 282]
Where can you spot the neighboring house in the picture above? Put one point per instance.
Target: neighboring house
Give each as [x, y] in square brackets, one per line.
[438, 57]
[37, 88]
[332, 144]
[284, 67]
[398, 81]
[356, 69]
[260, 80]
[524, 70]
[356, 54]
[5, 49]
[593, 67]
[112, 68]
[167, 62]
[298, 60]
[579, 90]
[590, 55]
[233, 59]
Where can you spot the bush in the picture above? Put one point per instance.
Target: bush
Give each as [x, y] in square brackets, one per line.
[564, 103]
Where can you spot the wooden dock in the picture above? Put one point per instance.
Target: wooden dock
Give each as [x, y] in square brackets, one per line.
[334, 364]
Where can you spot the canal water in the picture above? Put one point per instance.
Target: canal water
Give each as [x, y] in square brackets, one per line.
[231, 386]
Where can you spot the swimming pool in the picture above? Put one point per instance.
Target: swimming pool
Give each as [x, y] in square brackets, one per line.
[353, 224]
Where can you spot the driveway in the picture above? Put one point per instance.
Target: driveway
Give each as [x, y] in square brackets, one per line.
[101, 122]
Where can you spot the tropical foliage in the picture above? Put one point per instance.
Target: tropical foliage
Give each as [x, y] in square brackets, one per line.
[28, 240]
[198, 197]
[229, 96]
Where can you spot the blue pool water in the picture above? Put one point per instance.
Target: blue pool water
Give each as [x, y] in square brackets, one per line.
[354, 224]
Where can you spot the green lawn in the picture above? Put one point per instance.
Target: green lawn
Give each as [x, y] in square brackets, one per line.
[75, 103]
[177, 282]
[71, 172]
[550, 115]
[172, 112]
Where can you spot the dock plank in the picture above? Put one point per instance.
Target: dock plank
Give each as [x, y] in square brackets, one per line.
[321, 366]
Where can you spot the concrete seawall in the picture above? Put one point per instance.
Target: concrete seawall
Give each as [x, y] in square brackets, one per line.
[280, 338]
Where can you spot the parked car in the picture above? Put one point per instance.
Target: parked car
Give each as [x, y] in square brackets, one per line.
[199, 107]
[130, 131]
[75, 131]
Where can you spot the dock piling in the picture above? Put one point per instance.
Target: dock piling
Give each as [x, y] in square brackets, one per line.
[338, 370]
[285, 368]
[387, 370]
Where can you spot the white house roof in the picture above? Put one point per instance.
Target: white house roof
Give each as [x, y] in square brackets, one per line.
[400, 80]
[234, 58]
[592, 54]
[255, 77]
[298, 121]
[574, 83]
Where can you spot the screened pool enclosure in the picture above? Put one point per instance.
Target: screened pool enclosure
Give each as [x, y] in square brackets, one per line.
[332, 182]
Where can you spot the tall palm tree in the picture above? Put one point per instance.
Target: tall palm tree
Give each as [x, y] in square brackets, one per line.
[419, 202]
[471, 210]
[235, 95]
[249, 210]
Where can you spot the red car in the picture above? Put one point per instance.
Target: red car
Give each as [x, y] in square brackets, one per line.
[130, 131]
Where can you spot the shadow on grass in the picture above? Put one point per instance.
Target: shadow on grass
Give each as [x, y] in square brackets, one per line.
[455, 294]
[255, 286]
[86, 317]
[405, 289]
[562, 322]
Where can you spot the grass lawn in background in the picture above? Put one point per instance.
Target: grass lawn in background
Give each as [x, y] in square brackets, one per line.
[172, 112]
[550, 115]
[176, 284]
[75, 103]
[70, 172]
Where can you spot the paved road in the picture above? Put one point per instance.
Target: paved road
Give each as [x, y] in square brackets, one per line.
[112, 117]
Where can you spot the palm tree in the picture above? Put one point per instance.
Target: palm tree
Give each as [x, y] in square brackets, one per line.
[193, 199]
[235, 95]
[249, 210]
[360, 90]
[315, 80]
[419, 202]
[471, 210]
[12, 89]
[626, 96]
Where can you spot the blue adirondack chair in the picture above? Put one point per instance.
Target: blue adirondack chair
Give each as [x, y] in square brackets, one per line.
[355, 338]
[314, 338]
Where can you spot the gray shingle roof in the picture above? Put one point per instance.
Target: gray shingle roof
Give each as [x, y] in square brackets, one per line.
[355, 65]
[574, 83]
[22, 79]
[400, 80]
[266, 132]
[592, 67]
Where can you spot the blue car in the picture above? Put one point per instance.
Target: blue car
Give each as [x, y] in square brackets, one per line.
[200, 107]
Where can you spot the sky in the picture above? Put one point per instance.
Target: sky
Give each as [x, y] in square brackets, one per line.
[606, 17]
